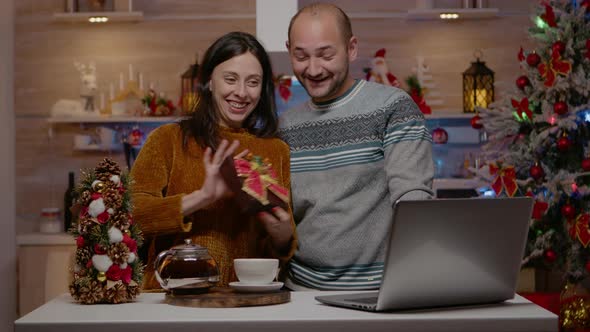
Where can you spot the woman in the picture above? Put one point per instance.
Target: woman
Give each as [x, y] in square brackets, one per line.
[178, 190]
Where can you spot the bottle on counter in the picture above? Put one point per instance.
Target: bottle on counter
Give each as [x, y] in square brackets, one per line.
[68, 202]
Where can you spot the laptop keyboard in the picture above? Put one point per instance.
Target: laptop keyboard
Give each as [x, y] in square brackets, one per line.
[368, 300]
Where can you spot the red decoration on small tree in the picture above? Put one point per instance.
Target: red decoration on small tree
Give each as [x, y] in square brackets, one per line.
[533, 59]
[550, 255]
[549, 16]
[521, 54]
[522, 82]
[586, 164]
[568, 211]
[559, 47]
[560, 108]
[476, 122]
[536, 172]
[563, 144]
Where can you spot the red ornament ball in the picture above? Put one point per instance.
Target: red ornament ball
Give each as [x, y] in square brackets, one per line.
[560, 108]
[476, 122]
[586, 164]
[440, 136]
[533, 59]
[568, 211]
[563, 144]
[558, 46]
[550, 255]
[522, 82]
[536, 172]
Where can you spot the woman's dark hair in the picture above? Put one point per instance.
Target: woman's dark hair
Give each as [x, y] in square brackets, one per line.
[203, 124]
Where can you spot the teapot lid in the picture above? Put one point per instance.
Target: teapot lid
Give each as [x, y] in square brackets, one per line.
[189, 246]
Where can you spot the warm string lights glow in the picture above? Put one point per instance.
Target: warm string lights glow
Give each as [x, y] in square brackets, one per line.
[98, 19]
[449, 16]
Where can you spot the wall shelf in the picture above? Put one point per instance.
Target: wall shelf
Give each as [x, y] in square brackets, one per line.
[82, 17]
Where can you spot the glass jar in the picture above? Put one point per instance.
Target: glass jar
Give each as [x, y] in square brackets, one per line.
[50, 221]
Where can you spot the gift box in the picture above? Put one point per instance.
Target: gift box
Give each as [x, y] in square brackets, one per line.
[254, 183]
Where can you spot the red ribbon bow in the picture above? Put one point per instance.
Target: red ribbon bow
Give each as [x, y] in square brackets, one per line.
[259, 179]
[556, 65]
[539, 208]
[583, 229]
[505, 180]
[522, 109]
[549, 16]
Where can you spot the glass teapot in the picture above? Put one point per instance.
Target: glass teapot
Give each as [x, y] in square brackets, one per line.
[186, 269]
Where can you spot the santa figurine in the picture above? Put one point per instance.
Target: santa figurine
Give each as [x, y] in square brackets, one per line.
[379, 72]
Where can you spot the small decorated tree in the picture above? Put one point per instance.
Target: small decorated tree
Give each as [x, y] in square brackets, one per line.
[107, 267]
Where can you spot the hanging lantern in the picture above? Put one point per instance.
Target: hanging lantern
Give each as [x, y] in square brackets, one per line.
[478, 85]
[188, 88]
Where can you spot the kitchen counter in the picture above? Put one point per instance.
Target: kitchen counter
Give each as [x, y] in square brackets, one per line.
[149, 313]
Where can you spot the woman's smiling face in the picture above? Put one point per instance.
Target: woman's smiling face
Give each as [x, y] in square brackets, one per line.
[236, 85]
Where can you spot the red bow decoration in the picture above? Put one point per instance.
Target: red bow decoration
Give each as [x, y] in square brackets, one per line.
[419, 100]
[260, 178]
[284, 84]
[582, 229]
[505, 179]
[522, 109]
[539, 208]
[556, 65]
[521, 55]
[549, 16]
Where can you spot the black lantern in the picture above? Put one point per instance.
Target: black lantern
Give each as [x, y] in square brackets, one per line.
[188, 88]
[478, 86]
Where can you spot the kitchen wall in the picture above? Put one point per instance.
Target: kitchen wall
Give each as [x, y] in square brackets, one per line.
[165, 42]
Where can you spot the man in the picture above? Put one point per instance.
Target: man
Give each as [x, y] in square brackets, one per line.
[356, 148]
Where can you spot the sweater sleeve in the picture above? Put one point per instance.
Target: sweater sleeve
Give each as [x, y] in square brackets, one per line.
[155, 212]
[408, 151]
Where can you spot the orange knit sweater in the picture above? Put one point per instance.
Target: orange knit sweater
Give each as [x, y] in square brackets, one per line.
[165, 171]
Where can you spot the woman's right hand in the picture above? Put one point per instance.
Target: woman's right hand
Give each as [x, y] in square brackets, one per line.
[214, 186]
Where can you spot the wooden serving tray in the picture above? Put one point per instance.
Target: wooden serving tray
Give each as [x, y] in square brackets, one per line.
[219, 297]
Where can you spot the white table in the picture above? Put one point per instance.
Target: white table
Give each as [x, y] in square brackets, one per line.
[303, 314]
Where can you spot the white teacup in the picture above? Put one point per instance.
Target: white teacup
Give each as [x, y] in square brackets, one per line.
[256, 270]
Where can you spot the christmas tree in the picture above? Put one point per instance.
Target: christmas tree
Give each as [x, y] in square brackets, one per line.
[538, 139]
[107, 268]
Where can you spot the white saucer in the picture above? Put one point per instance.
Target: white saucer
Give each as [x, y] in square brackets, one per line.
[253, 288]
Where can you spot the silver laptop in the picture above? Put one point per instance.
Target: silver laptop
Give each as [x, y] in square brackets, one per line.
[445, 252]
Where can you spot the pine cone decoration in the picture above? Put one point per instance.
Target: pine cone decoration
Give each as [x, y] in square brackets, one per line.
[117, 294]
[85, 198]
[118, 253]
[120, 220]
[106, 169]
[88, 294]
[112, 198]
[86, 225]
[83, 255]
[132, 292]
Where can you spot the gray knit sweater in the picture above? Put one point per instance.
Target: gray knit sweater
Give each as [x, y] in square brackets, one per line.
[351, 159]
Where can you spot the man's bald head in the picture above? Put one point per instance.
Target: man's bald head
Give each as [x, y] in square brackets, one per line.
[317, 10]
